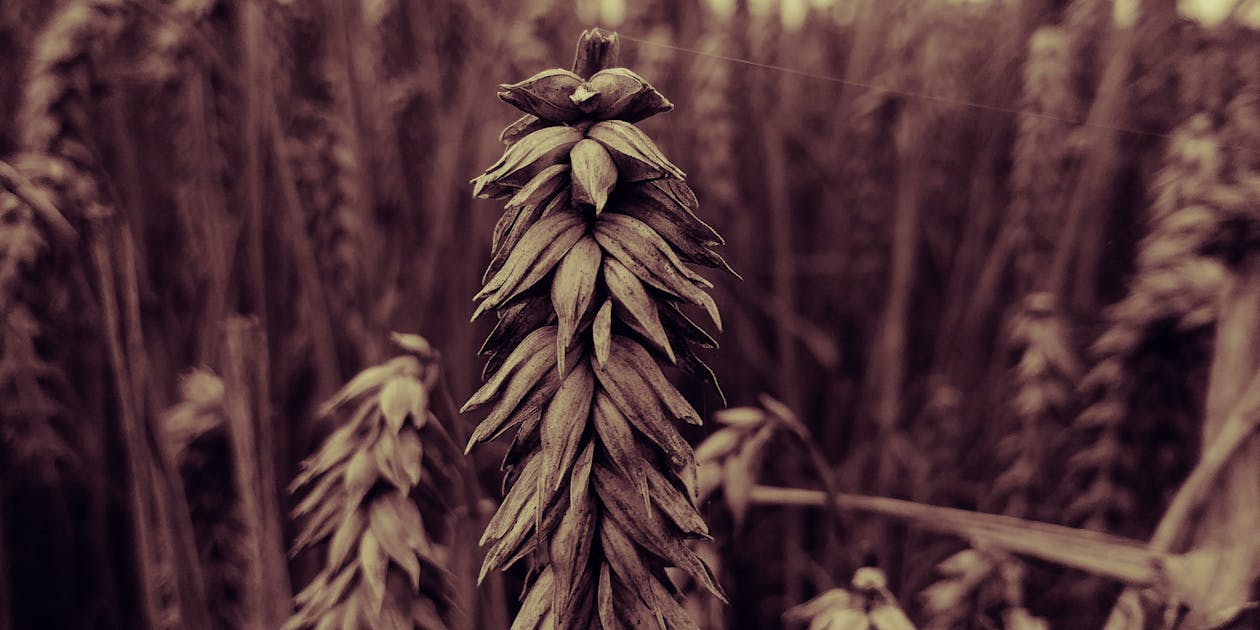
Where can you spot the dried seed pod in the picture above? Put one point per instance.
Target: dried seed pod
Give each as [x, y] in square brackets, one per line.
[601, 524]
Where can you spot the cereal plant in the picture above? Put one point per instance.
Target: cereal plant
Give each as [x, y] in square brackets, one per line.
[589, 274]
[990, 359]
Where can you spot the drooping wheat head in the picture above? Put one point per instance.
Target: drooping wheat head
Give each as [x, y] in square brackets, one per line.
[365, 490]
[589, 272]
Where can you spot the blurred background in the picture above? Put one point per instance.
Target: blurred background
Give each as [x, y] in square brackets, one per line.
[966, 229]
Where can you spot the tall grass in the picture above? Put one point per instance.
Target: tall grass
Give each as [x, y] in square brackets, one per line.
[932, 245]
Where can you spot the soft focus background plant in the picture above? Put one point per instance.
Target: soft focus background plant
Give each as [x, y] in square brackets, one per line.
[1007, 306]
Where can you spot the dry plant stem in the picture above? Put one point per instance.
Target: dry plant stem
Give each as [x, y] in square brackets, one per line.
[172, 505]
[133, 434]
[1119, 558]
[1237, 430]
[494, 613]
[831, 514]
[1081, 238]
[783, 293]
[246, 390]
[254, 78]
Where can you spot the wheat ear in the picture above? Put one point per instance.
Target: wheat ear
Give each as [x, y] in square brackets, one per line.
[588, 273]
[383, 568]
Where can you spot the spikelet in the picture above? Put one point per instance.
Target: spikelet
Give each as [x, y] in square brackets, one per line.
[603, 486]
[196, 436]
[364, 491]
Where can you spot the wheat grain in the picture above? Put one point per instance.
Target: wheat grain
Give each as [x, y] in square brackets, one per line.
[604, 490]
[383, 568]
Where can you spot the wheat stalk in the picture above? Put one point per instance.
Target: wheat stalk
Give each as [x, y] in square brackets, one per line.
[587, 274]
[383, 568]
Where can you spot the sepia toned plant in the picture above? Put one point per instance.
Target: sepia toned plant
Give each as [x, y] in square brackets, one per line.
[589, 274]
[974, 580]
[1043, 382]
[365, 486]
[867, 605]
[196, 436]
[1172, 296]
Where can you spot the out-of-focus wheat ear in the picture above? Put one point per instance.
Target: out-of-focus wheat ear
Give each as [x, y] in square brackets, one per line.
[1172, 297]
[56, 106]
[867, 603]
[1043, 387]
[1040, 172]
[196, 436]
[602, 484]
[1043, 378]
[59, 108]
[30, 384]
[326, 174]
[371, 506]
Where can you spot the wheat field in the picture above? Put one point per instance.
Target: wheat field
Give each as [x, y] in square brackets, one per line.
[827, 314]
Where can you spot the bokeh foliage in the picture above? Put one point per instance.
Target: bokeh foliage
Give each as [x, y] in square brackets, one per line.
[969, 296]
